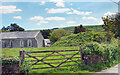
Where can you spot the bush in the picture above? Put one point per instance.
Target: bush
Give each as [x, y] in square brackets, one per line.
[13, 65]
[10, 65]
[99, 56]
[57, 34]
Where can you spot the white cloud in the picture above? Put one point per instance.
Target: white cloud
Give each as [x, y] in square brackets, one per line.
[55, 18]
[59, 3]
[70, 22]
[89, 18]
[71, 4]
[42, 3]
[17, 17]
[43, 21]
[80, 13]
[39, 23]
[35, 18]
[109, 13]
[9, 9]
[60, 10]
[69, 12]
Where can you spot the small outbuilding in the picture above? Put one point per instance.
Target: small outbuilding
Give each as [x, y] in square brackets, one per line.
[47, 42]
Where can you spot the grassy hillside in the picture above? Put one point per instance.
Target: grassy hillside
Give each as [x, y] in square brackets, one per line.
[80, 38]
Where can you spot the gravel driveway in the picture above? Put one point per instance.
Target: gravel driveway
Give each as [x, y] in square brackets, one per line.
[110, 71]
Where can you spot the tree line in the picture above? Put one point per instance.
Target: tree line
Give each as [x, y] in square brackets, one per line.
[12, 27]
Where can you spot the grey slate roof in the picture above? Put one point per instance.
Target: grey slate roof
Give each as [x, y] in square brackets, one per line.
[19, 34]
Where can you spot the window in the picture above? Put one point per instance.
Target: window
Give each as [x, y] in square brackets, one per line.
[3, 44]
[11, 44]
[29, 43]
[21, 43]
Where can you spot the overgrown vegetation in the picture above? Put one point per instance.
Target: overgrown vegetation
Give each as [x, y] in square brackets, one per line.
[13, 65]
[80, 38]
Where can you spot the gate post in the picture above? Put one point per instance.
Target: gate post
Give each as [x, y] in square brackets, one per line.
[21, 55]
[81, 55]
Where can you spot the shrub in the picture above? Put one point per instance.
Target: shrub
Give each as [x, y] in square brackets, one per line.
[57, 34]
[99, 56]
[10, 65]
[13, 65]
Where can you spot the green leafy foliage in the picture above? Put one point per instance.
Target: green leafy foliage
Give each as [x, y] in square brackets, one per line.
[13, 65]
[99, 56]
[80, 38]
[57, 34]
[112, 24]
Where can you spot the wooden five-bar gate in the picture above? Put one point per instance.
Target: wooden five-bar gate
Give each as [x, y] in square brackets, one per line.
[43, 59]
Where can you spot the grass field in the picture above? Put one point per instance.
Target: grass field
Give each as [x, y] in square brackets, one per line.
[15, 52]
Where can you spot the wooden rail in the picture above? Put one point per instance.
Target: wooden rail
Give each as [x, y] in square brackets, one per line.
[44, 59]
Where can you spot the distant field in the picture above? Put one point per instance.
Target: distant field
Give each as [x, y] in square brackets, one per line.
[89, 27]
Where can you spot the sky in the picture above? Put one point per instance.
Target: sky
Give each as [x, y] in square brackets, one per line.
[55, 13]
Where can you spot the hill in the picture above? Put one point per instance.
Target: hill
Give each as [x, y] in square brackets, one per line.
[80, 38]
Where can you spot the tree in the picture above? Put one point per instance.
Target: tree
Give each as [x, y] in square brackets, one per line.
[46, 33]
[4, 29]
[57, 34]
[117, 24]
[12, 27]
[15, 27]
[79, 29]
[111, 25]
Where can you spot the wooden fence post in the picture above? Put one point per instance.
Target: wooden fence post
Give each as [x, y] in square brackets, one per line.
[81, 53]
[21, 54]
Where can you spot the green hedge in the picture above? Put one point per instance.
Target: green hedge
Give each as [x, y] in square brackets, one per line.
[13, 65]
[98, 56]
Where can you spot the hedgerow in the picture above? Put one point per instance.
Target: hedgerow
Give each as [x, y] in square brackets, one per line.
[99, 56]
